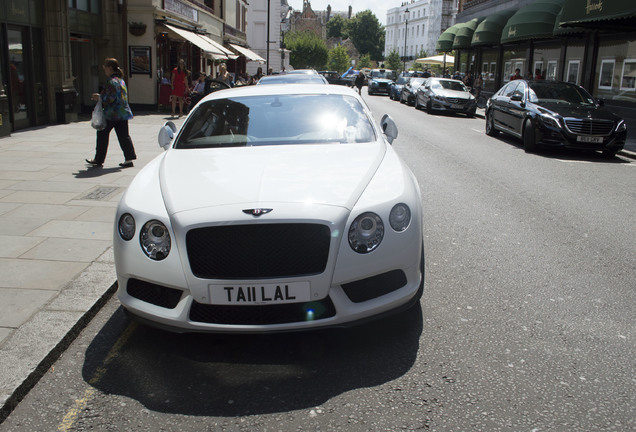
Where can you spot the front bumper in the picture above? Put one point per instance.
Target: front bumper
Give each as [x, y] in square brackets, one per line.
[551, 137]
[469, 107]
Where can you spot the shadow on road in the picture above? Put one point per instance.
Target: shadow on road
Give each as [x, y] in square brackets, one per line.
[238, 375]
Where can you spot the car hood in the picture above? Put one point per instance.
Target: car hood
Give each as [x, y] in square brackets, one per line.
[381, 80]
[452, 93]
[578, 111]
[333, 174]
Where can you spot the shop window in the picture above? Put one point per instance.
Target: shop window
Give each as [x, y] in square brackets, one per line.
[493, 71]
[551, 74]
[538, 66]
[607, 74]
[628, 80]
[573, 71]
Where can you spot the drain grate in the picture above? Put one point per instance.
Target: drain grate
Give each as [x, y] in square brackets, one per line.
[100, 193]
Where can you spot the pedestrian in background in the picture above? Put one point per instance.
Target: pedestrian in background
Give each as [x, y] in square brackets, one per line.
[224, 75]
[114, 97]
[179, 86]
[360, 82]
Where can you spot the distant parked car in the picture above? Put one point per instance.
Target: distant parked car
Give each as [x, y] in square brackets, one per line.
[443, 94]
[554, 114]
[333, 77]
[379, 81]
[410, 90]
[395, 89]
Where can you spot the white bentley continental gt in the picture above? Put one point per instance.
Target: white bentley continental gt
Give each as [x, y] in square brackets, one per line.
[273, 208]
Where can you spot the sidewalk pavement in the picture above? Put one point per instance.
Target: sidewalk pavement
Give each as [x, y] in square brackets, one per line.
[56, 226]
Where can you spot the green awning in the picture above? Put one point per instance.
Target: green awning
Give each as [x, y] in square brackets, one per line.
[534, 21]
[464, 34]
[564, 31]
[446, 39]
[488, 32]
[599, 13]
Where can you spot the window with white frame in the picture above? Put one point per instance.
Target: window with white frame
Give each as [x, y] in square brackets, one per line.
[538, 66]
[574, 67]
[552, 70]
[628, 80]
[606, 77]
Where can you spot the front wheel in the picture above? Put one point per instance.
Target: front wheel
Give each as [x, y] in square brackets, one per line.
[429, 107]
[490, 125]
[529, 137]
[417, 103]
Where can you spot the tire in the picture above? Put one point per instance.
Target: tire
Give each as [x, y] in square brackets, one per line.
[529, 137]
[429, 107]
[490, 125]
[416, 104]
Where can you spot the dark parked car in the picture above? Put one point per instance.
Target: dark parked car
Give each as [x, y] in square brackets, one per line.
[444, 94]
[410, 90]
[333, 77]
[556, 114]
[380, 81]
[395, 89]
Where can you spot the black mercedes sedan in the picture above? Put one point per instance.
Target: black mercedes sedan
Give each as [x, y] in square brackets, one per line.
[554, 114]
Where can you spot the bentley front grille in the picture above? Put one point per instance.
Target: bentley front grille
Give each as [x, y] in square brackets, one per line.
[258, 251]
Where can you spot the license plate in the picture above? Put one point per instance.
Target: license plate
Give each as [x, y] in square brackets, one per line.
[292, 292]
[457, 106]
[589, 139]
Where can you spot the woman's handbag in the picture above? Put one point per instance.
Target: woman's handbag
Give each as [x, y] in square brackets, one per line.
[98, 121]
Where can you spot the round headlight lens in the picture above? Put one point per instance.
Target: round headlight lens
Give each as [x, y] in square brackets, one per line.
[366, 232]
[400, 217]
[155, 240]
[126, 226]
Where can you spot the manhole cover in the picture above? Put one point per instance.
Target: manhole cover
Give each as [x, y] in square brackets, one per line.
[100, 193]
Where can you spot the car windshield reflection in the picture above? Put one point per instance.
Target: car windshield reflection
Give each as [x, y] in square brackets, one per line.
[449, 85]
[276, 120]
[559, 93]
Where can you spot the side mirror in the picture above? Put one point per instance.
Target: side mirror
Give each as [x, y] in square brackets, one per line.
[516, 98]
[601, 102]
[166, 134]
[389, 128]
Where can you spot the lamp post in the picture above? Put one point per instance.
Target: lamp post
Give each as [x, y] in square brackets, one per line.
[406, 30]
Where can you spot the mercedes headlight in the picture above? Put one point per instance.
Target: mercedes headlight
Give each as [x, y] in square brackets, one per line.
[621, 126]
[126, 226]
[400, 217]
[549, 120]
[155, 240]
[366, 232]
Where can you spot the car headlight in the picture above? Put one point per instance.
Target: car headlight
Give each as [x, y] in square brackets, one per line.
[366, 232]
[622, 126]
[126, 226]
[439, 98]
[155, 240]
[400, 217]
[550, 120]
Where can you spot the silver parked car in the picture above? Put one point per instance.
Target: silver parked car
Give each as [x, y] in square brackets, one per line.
[443, 94]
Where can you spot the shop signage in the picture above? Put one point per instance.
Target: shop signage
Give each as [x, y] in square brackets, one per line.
[593, 6]
[140, 60]
[182, 9]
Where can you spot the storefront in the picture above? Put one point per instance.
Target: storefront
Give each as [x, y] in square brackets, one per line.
[23, 96]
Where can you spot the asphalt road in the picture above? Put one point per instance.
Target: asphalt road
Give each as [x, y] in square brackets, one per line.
[526, 323]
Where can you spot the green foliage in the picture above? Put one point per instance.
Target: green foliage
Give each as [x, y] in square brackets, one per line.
[307, 50]
[366, 33]
[336, 27]
[339, 60]
[365, 62]
[393, 61]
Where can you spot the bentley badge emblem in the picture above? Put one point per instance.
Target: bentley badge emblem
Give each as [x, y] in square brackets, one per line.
[257, 211]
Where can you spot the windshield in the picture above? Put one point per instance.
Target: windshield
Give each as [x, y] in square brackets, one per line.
[416, 82]
[449, 85]
[403, 80]
[550, 92]
[387, 74]
[276, 120]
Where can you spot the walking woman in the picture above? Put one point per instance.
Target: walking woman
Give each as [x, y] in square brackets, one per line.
[179, 86]
[114, 98]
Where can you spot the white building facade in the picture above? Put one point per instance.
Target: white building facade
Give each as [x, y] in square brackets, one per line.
[413, 28]
[257, 34]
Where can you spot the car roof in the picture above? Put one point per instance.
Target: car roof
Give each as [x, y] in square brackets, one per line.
[282, 89]
[293, 79]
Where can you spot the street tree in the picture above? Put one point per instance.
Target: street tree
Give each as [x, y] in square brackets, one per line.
[366, 33]
[307, 50]
[393, 61]
[365, 61]
[336, 27]
[339, 60]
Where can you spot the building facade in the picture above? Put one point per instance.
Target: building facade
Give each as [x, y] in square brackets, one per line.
[268, 46]
[412, 29]
[51, 51]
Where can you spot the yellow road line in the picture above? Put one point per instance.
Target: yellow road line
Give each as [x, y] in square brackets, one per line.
[80, 404]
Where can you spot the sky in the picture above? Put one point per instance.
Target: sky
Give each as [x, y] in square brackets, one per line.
[378, 7]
